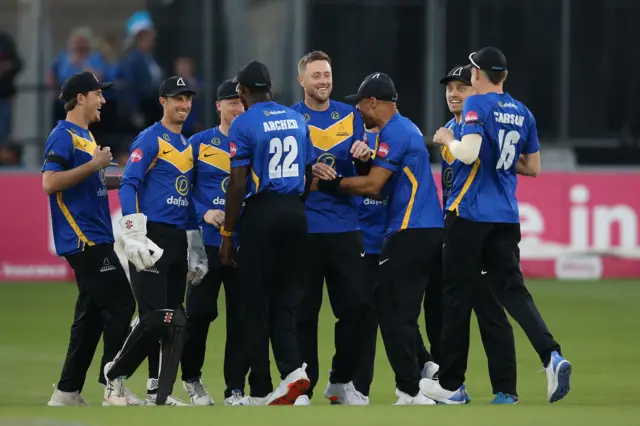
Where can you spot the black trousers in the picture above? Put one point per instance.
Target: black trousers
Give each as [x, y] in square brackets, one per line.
[104, 307]
[497, 337]
[163, 285]
[364, 374]
[272, 258]
[469, 247]
[202, 309]
[338, 260]
[407, 262]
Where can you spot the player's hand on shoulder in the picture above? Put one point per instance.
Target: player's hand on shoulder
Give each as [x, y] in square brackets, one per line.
[361, 151]
[214, 217]
[443, 136]
[102, 157]
[323, 171]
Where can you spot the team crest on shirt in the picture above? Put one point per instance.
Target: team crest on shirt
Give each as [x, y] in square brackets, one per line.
[471, 116]
[383, 150]
[232, 149]
[306, 117]
[136, 155]
[328, 159]
[335, 115]
[166, 137]
[215, 141]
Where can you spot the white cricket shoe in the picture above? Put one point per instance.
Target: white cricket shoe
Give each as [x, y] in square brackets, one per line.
[294, 385]
[344, 393]
[558, 375]
[433, 390]
[198, 393]
[66, 399]
[132, 399]
[234, 399]
[302, 401]
[430, 370]
[171, 401]
[419, 399]
[152, 385]
[114, 391]
[253, 400]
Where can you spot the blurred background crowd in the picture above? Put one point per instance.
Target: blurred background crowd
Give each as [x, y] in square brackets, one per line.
[572, 62]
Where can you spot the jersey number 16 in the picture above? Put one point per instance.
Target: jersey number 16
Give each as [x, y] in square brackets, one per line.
[288, 168]
[508, 144]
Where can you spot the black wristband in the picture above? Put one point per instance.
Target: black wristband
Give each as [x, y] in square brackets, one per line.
[331, 186]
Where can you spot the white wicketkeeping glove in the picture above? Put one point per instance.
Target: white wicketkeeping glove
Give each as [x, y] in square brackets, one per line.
[138, 249]
[197, 257]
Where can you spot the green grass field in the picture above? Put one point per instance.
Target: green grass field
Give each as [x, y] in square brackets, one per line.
[596, 322]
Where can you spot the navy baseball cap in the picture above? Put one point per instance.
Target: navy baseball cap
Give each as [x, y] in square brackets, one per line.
[376, 85]
[254, 75]
[459, 73]
[174, 86]
[489, 59]
[83, 82]
[227, 90]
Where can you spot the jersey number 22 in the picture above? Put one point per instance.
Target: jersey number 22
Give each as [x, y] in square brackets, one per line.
[508, 144]
[286, 168]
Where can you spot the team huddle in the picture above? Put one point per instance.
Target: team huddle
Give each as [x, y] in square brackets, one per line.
[275, 202]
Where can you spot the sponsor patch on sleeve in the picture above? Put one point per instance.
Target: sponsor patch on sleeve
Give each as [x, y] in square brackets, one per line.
[136, 155]
[470, 117]
[232, 149]
[383, 150]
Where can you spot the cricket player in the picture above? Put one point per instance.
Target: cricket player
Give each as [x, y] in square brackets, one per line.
[73, 176]
[372, 216]
[483, 226]
[270, 143]
[413, 236]
[162, 242]
[495, 329]
[211, 151]
[336, 249]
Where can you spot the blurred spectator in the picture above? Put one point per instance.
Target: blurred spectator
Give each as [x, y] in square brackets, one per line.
[142, 74]
[109, 131]
[10, 155]
[10, 66]
[77, 57]
[185, 68]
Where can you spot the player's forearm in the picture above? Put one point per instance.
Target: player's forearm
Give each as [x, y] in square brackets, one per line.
[528, 165]
[113, 182]
[360, 185]
[233, 204]
[466, 150]
[128, 199]
[53, 182]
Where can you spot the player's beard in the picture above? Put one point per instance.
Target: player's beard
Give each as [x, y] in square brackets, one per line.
[320, 97]
[178, 119]
[368, 121]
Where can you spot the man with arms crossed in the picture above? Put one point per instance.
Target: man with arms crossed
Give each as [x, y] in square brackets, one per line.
[482, 227]
[73, 177]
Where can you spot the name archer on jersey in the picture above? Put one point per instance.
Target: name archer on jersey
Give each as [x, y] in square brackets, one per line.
[507, 118]
[273, 126]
